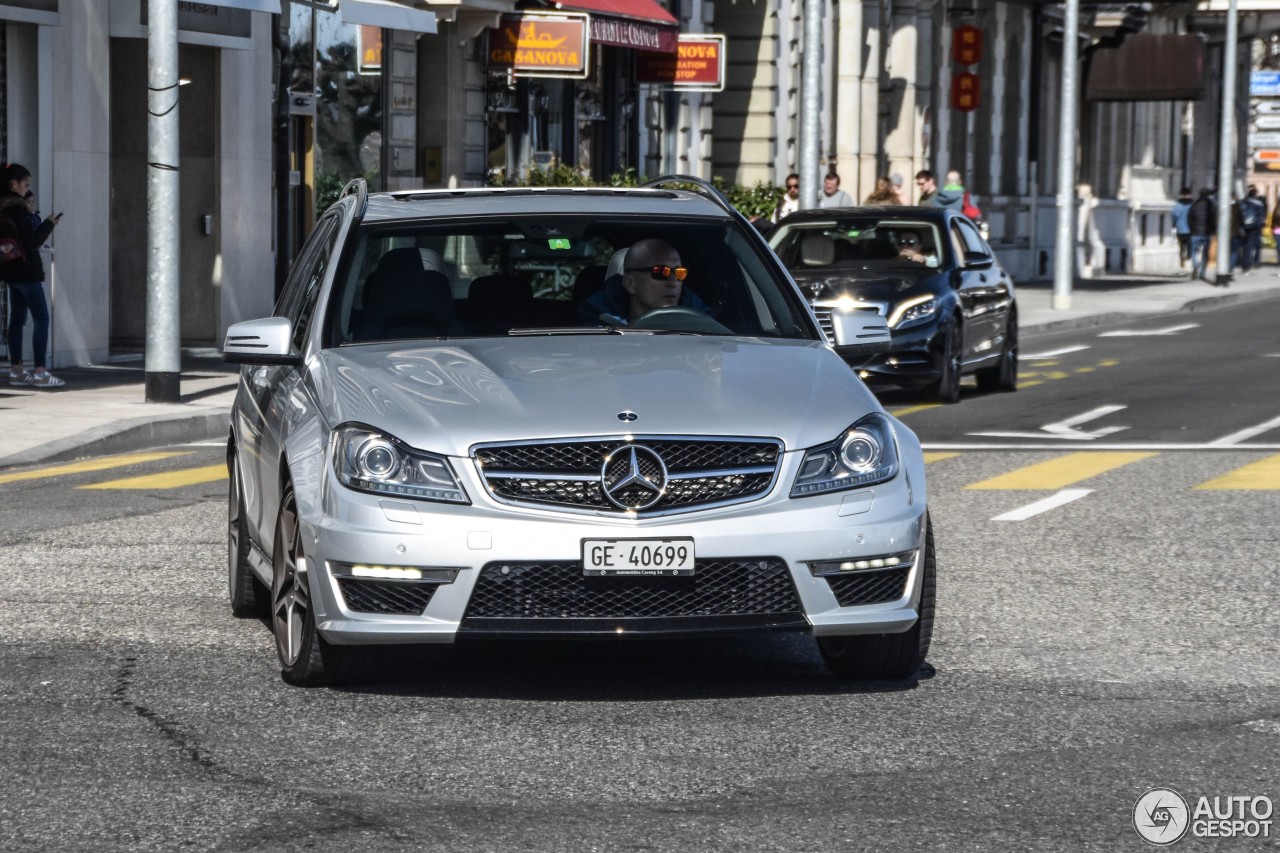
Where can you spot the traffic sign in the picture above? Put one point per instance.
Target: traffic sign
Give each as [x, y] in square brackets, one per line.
[1264, 83]
[1266, 108]
[1267, 122]
[1264, 139]
[1267, 155]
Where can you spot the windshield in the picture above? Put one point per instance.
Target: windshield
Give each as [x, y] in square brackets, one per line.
[472, 277]
[864, 242]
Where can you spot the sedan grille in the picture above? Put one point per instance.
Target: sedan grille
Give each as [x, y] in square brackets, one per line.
[823, 310]
[871, 587]
[742, 587]
[571, 474]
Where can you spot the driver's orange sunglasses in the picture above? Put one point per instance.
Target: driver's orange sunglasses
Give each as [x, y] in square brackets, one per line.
[660, 272]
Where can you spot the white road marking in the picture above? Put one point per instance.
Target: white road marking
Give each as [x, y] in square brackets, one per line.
[1067, 429]
[1065, 496]
[1053, 353]
[1245, 434]
[205, 444]
[946, 447]
[1142, 333]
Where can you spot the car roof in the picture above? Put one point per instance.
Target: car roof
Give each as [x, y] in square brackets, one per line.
[914, 211]
[517, 201]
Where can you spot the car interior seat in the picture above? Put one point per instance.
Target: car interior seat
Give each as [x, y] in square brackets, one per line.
[500, 302]
[404, 300]
[817, 250]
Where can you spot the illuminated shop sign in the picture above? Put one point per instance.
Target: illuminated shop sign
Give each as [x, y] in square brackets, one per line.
[696, 65]
[541, 45]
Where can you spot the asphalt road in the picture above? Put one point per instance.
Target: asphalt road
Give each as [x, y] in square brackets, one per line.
[1123, 640]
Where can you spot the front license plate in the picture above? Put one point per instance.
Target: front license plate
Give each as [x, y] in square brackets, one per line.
[644, 557]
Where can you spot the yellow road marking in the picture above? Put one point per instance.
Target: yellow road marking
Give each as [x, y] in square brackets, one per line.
[1256, 476]
[911, 410]
[1061, 472]
[102, 464]
[937, 456]
[166, 480]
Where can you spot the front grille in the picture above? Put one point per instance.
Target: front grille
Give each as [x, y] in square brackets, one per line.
[699, 472]
[743, 587]
[870, 587]
[823, 313]
[378, 596]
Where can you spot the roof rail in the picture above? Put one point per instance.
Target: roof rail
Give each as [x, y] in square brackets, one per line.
[706, 188]
[358, 188]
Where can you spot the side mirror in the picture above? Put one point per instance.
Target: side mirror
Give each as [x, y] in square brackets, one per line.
[978, 260]
[264, 341]
[859, 332]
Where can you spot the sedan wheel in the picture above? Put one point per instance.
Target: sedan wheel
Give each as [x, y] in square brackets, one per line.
[306, 659]
[882, 656]
[1004, 376]
[248, 597]
[947, 388]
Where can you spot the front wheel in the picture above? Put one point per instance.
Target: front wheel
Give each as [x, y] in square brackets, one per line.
[248, 596]
[947, 388]
[883, 656]
[1004, 376]
[306, 658]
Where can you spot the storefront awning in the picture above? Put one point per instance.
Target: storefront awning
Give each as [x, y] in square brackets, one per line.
[387, 14]
[639, 24]
[271, 7]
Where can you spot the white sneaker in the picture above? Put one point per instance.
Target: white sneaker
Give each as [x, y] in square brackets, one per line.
[21, 378]
[45, 380]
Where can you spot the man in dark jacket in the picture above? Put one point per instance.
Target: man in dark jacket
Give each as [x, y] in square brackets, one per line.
[23, 274]
[1202, 219]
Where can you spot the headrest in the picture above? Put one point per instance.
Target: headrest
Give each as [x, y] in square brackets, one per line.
[817, 250]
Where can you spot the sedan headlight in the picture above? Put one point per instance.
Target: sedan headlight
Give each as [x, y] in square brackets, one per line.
[865, 455]
[911, 311]
[370, 461]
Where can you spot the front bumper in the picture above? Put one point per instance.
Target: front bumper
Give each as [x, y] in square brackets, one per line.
[498, 570]
[913, 360]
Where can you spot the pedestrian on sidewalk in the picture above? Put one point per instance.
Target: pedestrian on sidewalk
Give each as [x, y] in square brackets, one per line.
[1253, 215]
[1181, 227]
[832, 195]
[884, 193]
[927, 184]
[23, 274]
[1202, 220]
[790, 201]
[952, 193]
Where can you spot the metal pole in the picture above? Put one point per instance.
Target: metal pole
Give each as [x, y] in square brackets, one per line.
[811, 104]
[162, 366]
[1065, 250]
[1226, 148]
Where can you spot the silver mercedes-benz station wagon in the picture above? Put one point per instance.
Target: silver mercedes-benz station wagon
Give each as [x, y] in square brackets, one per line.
[560, 412]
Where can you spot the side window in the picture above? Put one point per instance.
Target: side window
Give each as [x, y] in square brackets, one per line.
[957, 242]
[299, 298]
[973, 241]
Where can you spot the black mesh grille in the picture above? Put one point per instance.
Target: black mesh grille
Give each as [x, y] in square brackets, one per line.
[874, 587]
[560, 591]
[569, 473]
[372, 596]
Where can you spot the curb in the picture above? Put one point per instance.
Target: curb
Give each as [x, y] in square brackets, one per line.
[1191, 306]
[126, 437]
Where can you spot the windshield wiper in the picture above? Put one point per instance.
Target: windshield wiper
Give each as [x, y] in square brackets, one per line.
[568, 330]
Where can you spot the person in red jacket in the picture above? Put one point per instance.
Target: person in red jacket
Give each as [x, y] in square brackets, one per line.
[23, 274]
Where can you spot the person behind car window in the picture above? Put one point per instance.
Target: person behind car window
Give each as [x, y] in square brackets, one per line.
[911, 247]
[653, 277]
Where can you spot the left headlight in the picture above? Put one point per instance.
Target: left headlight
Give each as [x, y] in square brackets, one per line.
[864, 455]
[911, 311]
[370, 461]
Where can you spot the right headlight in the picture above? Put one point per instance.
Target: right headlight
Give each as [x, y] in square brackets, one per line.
[864, 455]
[911, 311]
[370, 461]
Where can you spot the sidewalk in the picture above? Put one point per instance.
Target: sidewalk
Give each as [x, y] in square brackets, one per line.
[102, 408]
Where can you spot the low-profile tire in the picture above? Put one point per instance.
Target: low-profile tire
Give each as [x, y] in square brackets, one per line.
[947, 387]
[888, 656]
[249, 598]
[306, 658]
[1004, 376]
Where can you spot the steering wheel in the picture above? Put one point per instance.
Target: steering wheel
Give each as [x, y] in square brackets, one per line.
[681, 319]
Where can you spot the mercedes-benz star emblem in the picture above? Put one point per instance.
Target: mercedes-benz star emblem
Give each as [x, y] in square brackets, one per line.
[627, 416]
[633, 477]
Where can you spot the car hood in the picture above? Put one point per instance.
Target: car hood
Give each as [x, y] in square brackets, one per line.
[448, 396]
[878, 284]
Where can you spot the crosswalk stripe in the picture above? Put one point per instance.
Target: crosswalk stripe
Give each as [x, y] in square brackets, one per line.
[1256, 476]
[167, 479]
[1062, 471]
[101, 464]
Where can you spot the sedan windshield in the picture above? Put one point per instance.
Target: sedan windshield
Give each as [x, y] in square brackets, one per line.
[864, 242]
[478, 277]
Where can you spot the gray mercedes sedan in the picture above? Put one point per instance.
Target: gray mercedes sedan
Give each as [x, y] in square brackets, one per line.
[565, 412]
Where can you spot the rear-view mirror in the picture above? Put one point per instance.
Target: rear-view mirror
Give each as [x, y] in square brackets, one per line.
[264, 341]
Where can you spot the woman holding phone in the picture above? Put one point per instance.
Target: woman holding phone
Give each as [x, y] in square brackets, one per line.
[23, 274]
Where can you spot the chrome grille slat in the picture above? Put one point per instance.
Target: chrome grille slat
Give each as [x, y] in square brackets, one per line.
[701, 472]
